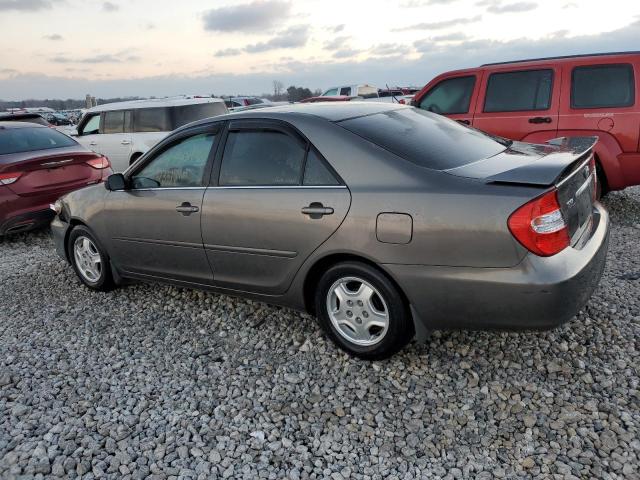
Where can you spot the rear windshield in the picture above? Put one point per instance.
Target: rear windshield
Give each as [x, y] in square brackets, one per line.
[16, 140]
[424, 138]
[27, 119]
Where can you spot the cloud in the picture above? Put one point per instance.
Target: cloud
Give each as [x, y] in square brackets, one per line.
[54, 37]
[498, 6]
[97, 59]
[424, 3]
[257, 16]
[346, 53]
[228, 52]
[26, 5]
[435, 59]
[337, 28]
[386, 49]
[336, 43]
[110, 7]
[450, 37]
[293, 37]
[440, 25]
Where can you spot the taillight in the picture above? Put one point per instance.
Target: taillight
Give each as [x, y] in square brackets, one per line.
[246, 102]
[539, 225]
[401, 101]
[99, 163]
[9, 178]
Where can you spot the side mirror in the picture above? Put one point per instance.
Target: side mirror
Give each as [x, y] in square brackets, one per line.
[115, 182]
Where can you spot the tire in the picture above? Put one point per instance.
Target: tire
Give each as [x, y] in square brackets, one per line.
[82, 248]
[374, 300]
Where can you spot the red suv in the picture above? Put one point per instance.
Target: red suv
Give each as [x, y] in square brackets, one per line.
[537, 100]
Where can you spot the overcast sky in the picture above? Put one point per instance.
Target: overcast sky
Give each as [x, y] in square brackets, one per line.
[67, 48]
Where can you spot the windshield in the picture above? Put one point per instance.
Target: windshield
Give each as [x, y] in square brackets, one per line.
[16, 140]
[425, 138]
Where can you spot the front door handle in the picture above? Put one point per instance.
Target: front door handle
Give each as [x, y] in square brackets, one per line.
[464, 122]
[187, 209]
[540, 120]
[93, 144]
[316, 210]
[125, 142]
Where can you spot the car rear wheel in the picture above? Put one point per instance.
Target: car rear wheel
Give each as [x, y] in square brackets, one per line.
[362, 311]
[89, 260]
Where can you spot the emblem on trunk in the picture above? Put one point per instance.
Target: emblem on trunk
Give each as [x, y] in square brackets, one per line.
[55, 164]
[570, 203]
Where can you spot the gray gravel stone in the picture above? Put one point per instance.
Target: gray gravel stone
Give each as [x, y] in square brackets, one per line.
[151, 381]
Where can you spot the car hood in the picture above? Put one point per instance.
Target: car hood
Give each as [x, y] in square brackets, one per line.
[526, 163]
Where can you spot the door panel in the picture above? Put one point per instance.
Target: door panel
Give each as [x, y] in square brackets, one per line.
[257, 238]
[149, 236]
[117, 148]
[519, 103]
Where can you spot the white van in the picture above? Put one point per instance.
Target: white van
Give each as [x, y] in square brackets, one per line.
[123, 131]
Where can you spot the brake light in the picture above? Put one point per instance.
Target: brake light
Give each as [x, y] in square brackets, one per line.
[539, 225]
[99, 163]
[9, 178]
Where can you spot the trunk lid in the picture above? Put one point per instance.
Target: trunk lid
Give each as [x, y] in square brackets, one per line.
[48, 171]
[566, 164]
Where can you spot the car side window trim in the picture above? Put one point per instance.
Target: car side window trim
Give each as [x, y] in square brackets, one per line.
[500, 72]
[267, 124]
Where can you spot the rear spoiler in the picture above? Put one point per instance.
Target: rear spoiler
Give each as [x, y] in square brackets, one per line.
[550, 168]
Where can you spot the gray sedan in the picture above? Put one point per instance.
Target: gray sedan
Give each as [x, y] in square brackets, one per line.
[384, 221]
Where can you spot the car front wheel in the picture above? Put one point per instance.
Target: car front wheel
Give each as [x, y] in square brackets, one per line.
[89, 260]
[362, 311]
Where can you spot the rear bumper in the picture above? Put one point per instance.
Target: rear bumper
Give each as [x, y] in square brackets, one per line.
[539, 293]
[26, 221]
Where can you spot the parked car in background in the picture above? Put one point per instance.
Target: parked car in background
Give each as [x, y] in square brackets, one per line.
[364, 93]
[536, 100]
[37, 165]
[383, 220]
[24, 117]
[58, 119]
[123, 131]
[241, 103]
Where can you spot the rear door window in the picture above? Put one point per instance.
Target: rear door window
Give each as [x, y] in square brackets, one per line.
[519, 91]
[262, 157]
[316, 173]
[602, 86]
[345, 91]
[450, 97]
[113, 122]
[152, 120]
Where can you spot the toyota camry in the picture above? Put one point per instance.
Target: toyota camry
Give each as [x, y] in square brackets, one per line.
[384, 221]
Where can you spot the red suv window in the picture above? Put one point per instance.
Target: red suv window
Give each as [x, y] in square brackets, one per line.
[449, 97]
[519, 91]
[602, 86]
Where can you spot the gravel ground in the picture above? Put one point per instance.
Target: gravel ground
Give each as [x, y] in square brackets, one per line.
[160, 382]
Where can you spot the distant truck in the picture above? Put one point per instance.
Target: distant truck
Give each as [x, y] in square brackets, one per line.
[364, 92]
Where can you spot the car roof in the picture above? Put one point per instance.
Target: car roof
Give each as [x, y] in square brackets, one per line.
[564, 58]
[9, 115]
[154, 103]
[7, 124]
[331, 111]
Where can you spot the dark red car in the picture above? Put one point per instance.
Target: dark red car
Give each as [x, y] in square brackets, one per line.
[537, 100]
[38, 165]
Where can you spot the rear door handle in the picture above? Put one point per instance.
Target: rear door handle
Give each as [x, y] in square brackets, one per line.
[464, 122]
[125, 142]
[93, 144]
[316, 210]
[187, 209]
[540, 120]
